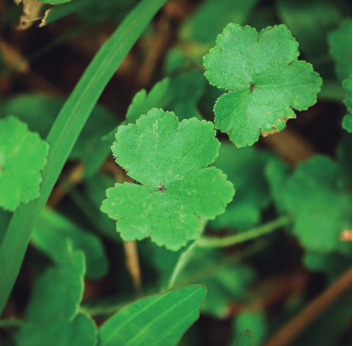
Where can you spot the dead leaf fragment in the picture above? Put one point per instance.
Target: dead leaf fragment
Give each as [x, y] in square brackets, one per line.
[346, 235]
[31, 13]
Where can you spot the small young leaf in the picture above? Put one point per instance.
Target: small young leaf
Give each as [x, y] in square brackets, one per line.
[340, 44]
[179, 94]
[265, 79]
[158, 320]
[169, 159]
[52, 316]
[321, 206]
[143, 101]
[53, 229]
[347, 120]
[22, 156]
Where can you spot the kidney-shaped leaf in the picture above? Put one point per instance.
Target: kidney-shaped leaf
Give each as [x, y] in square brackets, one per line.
[158, 320]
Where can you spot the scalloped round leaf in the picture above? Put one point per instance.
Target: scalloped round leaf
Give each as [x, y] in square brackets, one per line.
[23, 154]
[320, 204]
[169, 159]
[266, 82]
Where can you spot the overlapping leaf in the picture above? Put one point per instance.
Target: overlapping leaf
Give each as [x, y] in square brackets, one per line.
[22, 156]
[158, 320]
[179, 94]
[199, 31]
[265, 79]
[169, 159]
[277, 173]
[244, 168]
[52, 316]
[54, 229]
[322, 207]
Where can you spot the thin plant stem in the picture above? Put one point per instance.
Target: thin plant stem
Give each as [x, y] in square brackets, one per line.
[269, 227]
[180, 264]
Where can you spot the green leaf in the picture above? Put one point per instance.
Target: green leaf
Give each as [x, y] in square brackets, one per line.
[4, 221]
[245, 338]
[310, 22]
[255, 321]
[265, 80]
[331, 264]
[179, 94]
[347, 120]
[52, 316]
[226, 282]
[22, 156]
[244, 168]
[316, 196]
[39, 112]
[211, 17]
[340, 44]
[143, 102]
[186, 88]
[158, 320]
[95, 187]
[277, 173]
[53, 229]
[169, 159]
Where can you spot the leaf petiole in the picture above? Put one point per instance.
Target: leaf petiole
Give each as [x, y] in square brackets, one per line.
[238, 238]
[180, 264]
